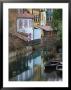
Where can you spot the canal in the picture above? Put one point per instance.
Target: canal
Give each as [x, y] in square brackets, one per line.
[30, 68]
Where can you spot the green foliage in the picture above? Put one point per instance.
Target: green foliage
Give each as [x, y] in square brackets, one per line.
[57, 23]
[57, 14]
[57, 18]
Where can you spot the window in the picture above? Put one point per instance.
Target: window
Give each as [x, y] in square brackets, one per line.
[25, 21]
[20, 24]
[35, 18]
[30, 23]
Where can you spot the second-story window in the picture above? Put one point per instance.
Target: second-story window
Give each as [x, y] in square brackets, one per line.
[30, 23]
[20, 23]
[25, 23]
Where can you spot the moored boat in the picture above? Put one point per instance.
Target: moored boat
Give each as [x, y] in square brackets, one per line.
[51, 65]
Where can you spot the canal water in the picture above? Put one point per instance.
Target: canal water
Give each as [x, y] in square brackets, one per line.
[31, 68]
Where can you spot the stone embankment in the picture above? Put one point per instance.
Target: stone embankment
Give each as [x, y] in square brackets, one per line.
[24, 51]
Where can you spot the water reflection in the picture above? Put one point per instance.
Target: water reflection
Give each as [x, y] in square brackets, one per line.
[31, 68]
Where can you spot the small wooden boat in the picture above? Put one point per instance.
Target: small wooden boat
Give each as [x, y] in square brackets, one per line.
[51, 66]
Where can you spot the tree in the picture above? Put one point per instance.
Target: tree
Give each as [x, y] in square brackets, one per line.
[57, 18]
[57, 24]
[57, 14]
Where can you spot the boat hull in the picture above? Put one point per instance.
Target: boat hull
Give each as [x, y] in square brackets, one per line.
[49, 68]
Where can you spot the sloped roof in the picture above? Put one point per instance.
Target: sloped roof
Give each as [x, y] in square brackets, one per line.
[46, 28]
[25, 15]
[21, 36]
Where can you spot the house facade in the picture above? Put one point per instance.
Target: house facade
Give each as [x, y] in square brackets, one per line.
[48, 36]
